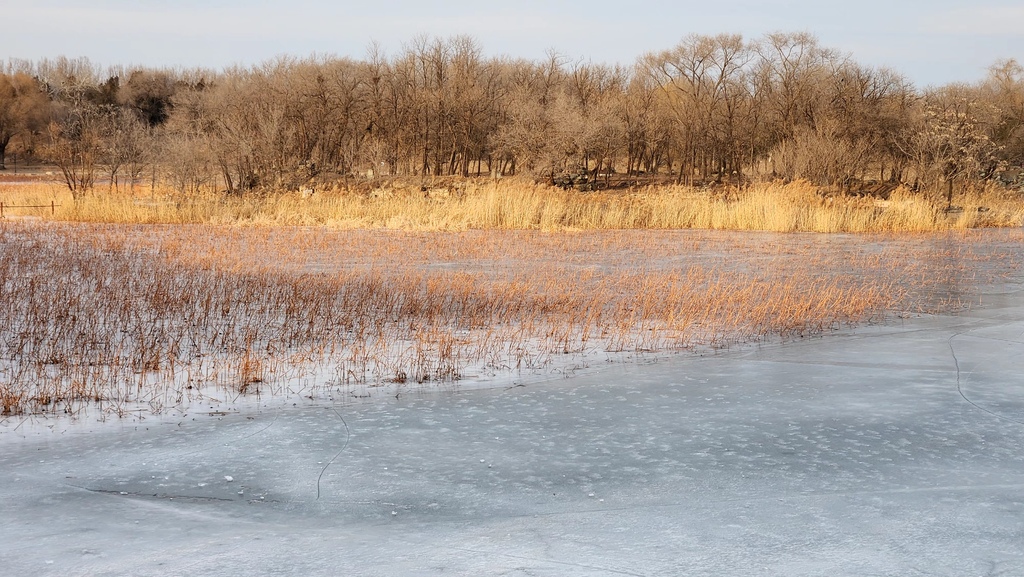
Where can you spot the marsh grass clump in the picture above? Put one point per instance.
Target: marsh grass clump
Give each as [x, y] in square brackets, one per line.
[165, 315]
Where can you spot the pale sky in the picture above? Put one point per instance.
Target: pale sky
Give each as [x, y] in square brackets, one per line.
[931, 42]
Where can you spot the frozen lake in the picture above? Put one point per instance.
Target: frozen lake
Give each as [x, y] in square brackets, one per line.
[888, 450]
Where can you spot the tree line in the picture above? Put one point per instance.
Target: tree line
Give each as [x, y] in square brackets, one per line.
[711, 109]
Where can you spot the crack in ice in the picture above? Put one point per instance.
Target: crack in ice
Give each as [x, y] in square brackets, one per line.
[959, 387]
[348, 437]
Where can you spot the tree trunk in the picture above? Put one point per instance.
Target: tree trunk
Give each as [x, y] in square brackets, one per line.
[3, 151]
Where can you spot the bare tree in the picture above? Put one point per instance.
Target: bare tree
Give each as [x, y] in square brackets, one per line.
[127, 146]
[703, 87]
[24, 108]
[76, 138]
[645, 129]
[951, 142]
[1003, 89]
[527, 136]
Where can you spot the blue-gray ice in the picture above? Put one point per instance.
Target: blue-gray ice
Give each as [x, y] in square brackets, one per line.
[887, 450]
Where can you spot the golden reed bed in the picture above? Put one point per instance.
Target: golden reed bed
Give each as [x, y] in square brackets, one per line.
[518, 204]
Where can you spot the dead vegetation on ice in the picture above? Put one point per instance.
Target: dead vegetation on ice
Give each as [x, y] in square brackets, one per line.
[120, 316]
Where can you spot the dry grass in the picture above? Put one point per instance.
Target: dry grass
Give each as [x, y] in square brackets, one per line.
[164, 315]
[466, 205]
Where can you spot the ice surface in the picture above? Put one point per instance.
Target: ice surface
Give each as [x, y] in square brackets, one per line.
[889, 450]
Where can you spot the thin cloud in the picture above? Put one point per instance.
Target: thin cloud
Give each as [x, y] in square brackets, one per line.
[977, 21]
[216, 22]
